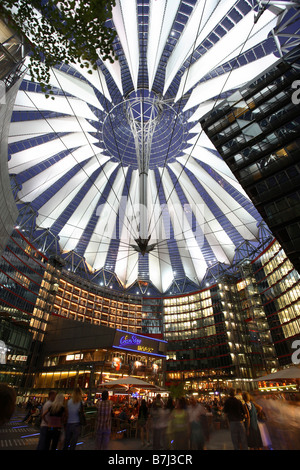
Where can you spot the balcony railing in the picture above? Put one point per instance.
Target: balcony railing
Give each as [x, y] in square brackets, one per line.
[13, 50]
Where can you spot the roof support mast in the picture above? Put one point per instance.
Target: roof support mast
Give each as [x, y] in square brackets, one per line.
[143, 116]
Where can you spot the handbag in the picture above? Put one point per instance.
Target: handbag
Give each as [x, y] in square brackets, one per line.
[261, 416]
[82, 418]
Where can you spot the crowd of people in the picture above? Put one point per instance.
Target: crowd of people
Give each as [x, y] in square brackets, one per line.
[171, 424]
[254, 422]
[257, 421]
[61, 421]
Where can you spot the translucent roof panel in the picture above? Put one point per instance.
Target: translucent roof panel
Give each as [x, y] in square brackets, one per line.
[117, 167]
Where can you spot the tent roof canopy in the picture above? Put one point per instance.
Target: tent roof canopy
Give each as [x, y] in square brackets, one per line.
[290, 373]
[119, 154]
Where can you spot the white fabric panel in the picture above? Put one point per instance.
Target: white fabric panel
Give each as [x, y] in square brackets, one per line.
[218, 239]
[228, 81]
[20, 138]
[55, 206]
[96, 78]
[98, 246]
[217, 164]
[229, 46]
[74, 228]
[115, 71]
[202, 140]
[125, 20]
[217, 13]
[75, 107]
[230, 208]
[74, 86]
[196, 129]
[204, 17]
[27, 158]
[204, 108]
[212, 160]
[132, 267]
[233, 181]
[161, 18]
[157, 228]
[266, 23]
[44, 180]
[160, 267]
[194, 263]
[127, 259]
[155, 270]
[63, 124]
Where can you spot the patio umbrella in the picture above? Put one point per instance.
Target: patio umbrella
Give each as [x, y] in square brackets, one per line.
[130, 382]
[290, 373]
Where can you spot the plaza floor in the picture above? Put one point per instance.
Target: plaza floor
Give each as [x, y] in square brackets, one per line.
[17, 435]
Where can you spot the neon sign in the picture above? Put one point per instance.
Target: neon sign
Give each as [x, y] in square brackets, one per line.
[138, 343]
[145, 349]
[130, 341]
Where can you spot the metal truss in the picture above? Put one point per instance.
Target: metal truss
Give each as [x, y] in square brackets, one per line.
[142, 114]
[287, 32]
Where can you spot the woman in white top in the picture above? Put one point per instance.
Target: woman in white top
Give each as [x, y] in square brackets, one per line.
[73, 426]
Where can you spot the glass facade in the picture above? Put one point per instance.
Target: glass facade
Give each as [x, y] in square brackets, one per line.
[238, 328]
[279, 288]
[198, 349]
[22, 271]
[36, 291]
[81, 301]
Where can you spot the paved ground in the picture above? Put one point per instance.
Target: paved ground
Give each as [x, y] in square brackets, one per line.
[219, 440]
[20, 437]
[17, 435]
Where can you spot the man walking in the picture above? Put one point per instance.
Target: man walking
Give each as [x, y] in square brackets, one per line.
[157, 417]
[103, 427]
[237, 417]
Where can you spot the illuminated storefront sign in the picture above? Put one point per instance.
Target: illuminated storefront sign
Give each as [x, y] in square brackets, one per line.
[74, 357]
[16, 358]
[138, 343]
[129, 340]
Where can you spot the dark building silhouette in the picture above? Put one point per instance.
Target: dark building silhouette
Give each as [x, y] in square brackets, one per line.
[257, 132]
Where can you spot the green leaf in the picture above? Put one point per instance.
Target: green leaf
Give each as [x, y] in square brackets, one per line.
[65, 35]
